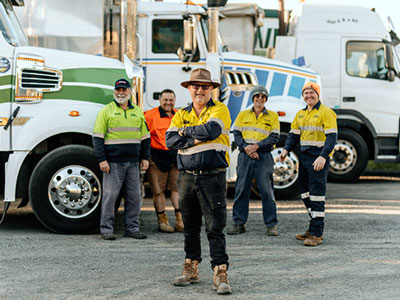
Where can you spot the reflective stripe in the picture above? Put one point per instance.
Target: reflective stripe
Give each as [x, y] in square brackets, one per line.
[123, 129]
[99, 135]
[311, 128]
[305, 195]
[237, 128]
[275, 131]
[295, 131]
[312, 143]
[226, 131]
[220, 123]
[317, 198]
[122, 141]
[173, 129]
[146, 136]
[251, 141]
[259, 130]
[202, 148]
[332, 130]
[317, 214]
[309, 210]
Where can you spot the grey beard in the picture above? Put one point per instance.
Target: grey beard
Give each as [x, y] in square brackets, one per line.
[121, 100]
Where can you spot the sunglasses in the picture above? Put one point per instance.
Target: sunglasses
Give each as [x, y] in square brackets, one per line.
[205, 87]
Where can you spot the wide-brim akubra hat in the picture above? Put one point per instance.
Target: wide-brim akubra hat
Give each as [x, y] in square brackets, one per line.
[200, 75]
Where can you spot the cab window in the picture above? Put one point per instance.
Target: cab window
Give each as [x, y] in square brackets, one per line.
[366, 60]
[167, 36]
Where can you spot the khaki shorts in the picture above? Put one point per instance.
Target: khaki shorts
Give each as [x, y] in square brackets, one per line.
[159, 181]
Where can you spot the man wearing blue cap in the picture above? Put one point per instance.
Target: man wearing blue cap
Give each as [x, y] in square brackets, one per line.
[121, 143]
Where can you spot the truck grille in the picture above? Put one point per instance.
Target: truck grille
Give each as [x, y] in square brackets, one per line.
[40, 79]
[240, 80]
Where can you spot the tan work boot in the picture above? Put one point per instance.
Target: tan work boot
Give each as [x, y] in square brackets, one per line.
[272, 231]
[190, 273]
[179, 223]
[313, 240]
[303, 236]
[221, 284]
[163, 225]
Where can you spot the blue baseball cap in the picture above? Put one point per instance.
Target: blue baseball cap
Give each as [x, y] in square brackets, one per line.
[122, 83]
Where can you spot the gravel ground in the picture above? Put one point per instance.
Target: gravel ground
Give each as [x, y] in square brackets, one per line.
[359, 258]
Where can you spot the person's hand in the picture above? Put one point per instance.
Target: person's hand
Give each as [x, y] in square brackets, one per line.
[181, 131]
[250, 149]
[283, 155]
[319, 163]
[196, 141]
[254, 156]
[104, 166]
[144, 164]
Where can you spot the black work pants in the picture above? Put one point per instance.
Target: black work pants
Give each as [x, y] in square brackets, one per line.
[204, 195]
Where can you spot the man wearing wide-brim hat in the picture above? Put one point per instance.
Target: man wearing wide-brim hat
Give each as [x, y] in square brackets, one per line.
[200, 133]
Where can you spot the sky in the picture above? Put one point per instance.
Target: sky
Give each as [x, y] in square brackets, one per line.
[384, 8]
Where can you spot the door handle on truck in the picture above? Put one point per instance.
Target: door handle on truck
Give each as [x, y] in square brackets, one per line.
[349, 99]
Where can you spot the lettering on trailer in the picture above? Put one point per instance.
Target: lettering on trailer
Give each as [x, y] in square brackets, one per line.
[342, 20]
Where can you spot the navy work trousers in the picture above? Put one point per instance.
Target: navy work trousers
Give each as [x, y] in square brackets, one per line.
[313, 190]
[204, 195]
[262, 170]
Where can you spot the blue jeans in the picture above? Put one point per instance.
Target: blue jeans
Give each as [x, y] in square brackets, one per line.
[204, 195]
[122, 175]
[313, 189]
[262, 170]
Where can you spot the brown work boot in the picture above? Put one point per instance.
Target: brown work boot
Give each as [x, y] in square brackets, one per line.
[272, 231]
[163, 225]
[303, 236]
[190, 273]
[221, 284]
[236, 229]
[313, 240]
[179, 223]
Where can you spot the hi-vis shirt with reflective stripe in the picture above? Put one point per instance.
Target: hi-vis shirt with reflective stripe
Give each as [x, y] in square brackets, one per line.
[121, 131]
[256, 130]
[211, 127]
[314, 125]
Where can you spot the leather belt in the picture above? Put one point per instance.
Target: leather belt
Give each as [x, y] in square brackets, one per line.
[205, 172]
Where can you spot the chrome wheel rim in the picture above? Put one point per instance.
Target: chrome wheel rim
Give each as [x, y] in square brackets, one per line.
[74, 191]
[286, 172]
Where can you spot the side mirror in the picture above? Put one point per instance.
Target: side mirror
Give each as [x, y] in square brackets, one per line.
[186, 53]
[391, 75]
[389, 64]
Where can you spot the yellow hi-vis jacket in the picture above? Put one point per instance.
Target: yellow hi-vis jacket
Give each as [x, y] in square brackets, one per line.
[262, 130]
[121, 135]
[316, 130]
[211, 127]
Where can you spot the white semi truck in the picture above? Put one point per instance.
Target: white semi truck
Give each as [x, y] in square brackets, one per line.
[50, 99]
[354, 54]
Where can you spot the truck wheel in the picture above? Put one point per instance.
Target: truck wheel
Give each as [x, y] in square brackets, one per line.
[350, 157]
[286, 174]
[65, 190]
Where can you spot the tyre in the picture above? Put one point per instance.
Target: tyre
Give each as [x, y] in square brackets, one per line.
[65, 190]
[350, 157]
[286, 174]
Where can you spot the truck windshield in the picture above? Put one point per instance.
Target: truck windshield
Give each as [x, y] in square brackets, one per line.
[204, 27]
[10, 27]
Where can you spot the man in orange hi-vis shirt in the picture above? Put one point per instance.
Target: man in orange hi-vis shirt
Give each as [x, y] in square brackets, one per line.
[162, 172]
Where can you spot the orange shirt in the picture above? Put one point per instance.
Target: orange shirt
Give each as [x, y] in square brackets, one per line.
[158, 122]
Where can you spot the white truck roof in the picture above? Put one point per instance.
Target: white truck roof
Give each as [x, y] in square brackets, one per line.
[351, 20]
[167, 8]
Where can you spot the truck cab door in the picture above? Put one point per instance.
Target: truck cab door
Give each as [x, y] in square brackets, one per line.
[163, 68]
[365, 87]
